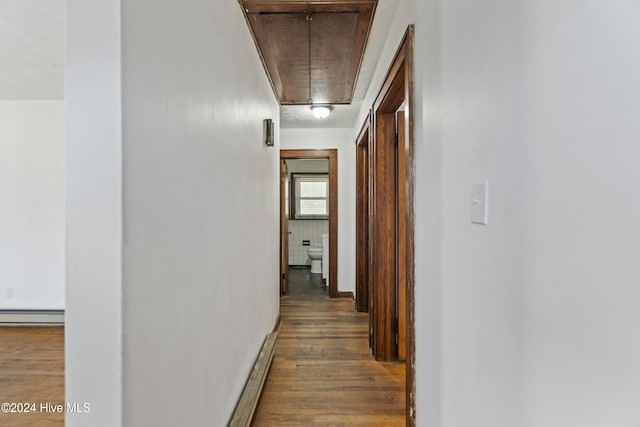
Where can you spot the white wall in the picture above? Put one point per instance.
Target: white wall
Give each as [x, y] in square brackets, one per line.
[307, 165]
[305, 229]
[32, 205]
[342, 140]
[93, 169]
[160, 290]
[581, 210]
[201, 211]
[530, 320]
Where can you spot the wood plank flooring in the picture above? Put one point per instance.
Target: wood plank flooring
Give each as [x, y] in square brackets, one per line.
[323, 373]
[32, 371]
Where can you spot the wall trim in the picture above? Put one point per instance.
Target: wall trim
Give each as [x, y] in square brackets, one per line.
[248, 401]
[276, 325]
[345, 294]
[32, 317]
[397, 89]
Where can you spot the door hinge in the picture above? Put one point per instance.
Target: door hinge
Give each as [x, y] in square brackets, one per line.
[394, 140]
[394, 326]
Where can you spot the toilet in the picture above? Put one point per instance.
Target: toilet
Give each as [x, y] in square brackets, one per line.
[315, 255]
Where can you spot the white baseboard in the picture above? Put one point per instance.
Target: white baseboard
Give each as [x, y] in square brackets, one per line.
[32, 317]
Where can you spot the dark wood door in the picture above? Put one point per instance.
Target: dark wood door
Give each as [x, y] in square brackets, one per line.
[401, 234]
[384, 238]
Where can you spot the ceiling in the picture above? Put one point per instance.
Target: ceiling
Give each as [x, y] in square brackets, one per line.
[344, 116]
[311, 51]
[32, 59]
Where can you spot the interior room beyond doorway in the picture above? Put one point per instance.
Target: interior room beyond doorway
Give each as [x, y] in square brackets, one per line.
[308, 219]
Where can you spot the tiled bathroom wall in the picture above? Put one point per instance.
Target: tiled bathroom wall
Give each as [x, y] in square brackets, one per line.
[300, 230]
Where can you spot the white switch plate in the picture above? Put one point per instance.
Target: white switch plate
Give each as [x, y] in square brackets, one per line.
[479, 203]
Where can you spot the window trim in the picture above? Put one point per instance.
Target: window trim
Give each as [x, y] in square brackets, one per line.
[293, 202]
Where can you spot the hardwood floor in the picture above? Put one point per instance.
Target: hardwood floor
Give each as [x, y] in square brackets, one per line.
[32, 371]
[323, 372]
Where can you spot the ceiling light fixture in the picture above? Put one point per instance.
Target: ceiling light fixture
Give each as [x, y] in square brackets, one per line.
[319, 111]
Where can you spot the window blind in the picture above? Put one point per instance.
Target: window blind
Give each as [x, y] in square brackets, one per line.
[309, 196]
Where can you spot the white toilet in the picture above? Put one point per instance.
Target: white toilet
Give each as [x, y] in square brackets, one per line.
[315, 255]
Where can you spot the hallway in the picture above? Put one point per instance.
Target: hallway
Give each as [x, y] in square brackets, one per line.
[323, 373]
[141, 151]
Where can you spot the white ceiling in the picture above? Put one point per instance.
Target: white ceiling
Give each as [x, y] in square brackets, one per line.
[31, 49]
[32, 59]
[344, 116]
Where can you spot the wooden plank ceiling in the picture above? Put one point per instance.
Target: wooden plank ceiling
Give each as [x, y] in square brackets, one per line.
[324, 40]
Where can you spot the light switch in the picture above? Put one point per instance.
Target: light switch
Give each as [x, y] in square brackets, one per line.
[479, 203]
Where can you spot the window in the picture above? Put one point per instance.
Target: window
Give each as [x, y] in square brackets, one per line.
[309, 196]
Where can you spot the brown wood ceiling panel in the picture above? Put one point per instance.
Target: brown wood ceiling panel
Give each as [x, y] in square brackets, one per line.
[334, 59]
[339, 33]
[306, 6]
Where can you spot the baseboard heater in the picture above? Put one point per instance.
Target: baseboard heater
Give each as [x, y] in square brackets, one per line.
[32, 317]
[243, 414]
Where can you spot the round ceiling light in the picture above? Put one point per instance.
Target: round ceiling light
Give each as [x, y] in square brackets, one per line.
[320, 111]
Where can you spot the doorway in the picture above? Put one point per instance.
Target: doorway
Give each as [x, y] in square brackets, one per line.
[363, 249]
[385, 180]
[331, 155]
[306, 195]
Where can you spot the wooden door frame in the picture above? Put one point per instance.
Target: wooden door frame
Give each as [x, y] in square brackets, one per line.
[362, 217]
[284, 271]
[398, 88]
[332, 156]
